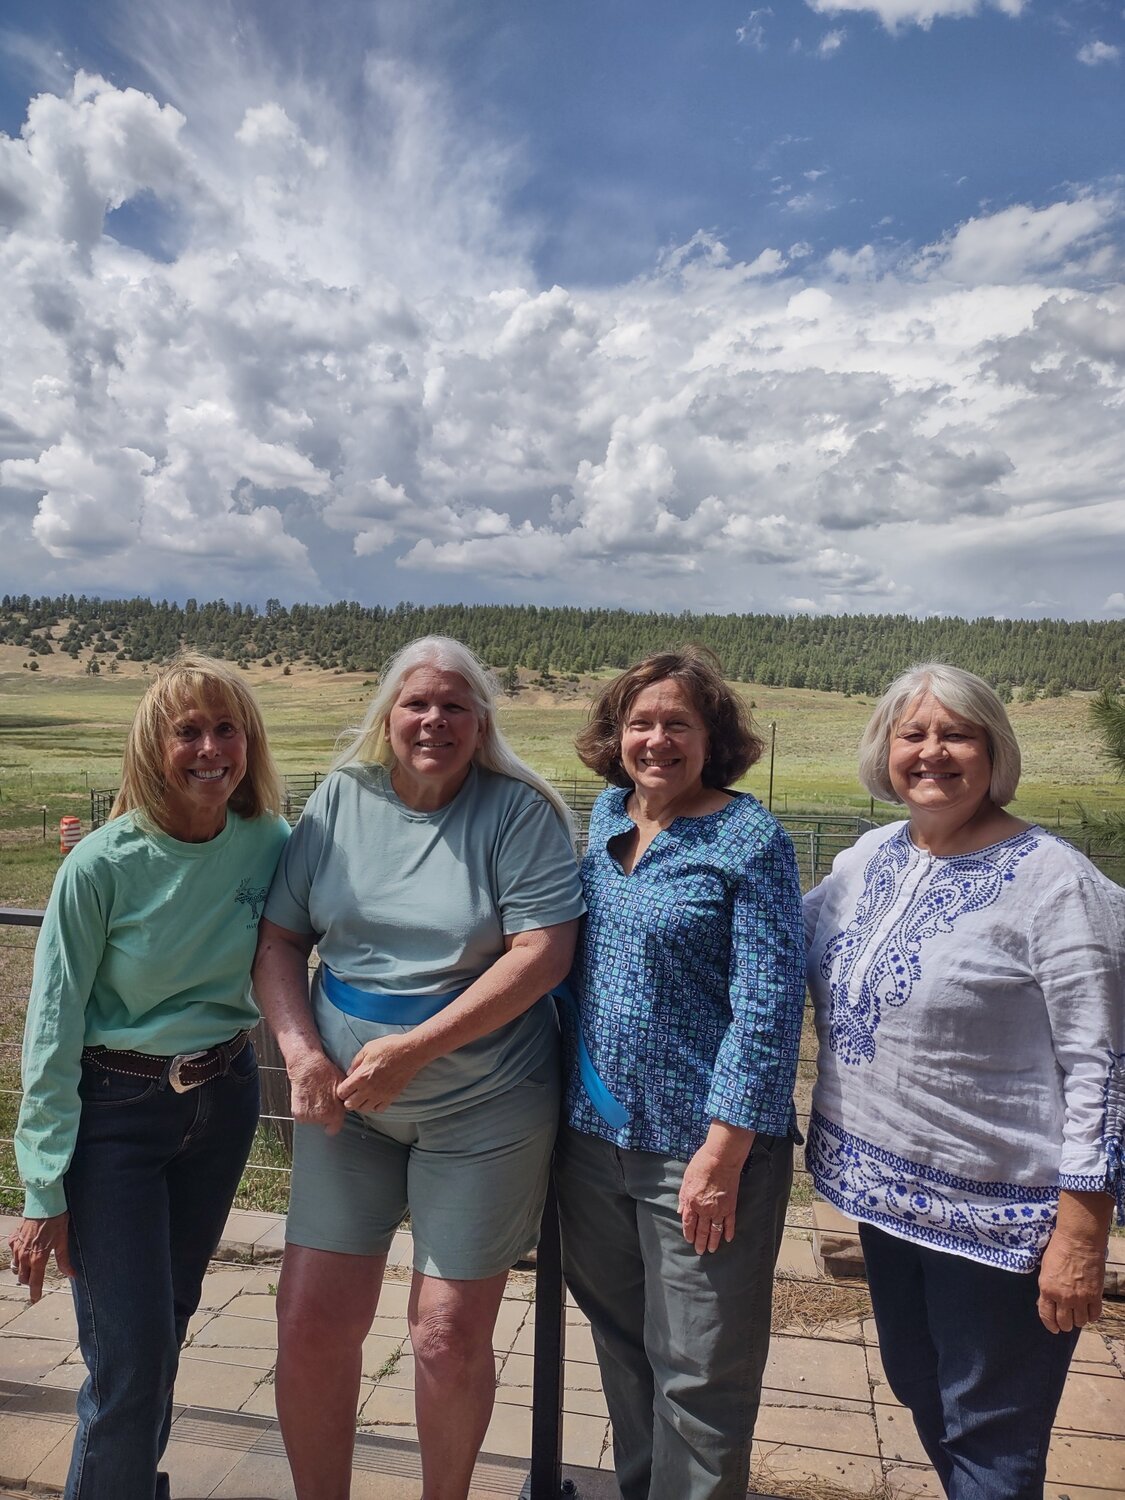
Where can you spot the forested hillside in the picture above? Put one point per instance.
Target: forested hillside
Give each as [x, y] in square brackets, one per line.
[842, 653]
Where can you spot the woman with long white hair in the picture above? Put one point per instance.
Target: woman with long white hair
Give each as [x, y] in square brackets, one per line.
[435, 874]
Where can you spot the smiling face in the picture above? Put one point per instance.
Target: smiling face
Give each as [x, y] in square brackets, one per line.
[434, 730]
[939, 763]
[204, 760]
[664, 740]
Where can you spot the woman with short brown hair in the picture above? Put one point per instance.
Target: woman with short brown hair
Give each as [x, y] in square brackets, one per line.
[676, 1156]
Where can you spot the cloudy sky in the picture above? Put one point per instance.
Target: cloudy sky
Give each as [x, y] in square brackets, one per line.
[811, 306]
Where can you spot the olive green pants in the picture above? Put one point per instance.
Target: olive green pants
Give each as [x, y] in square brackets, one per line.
[681, 1338]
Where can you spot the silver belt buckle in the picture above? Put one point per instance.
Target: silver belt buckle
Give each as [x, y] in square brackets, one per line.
[179, 1061]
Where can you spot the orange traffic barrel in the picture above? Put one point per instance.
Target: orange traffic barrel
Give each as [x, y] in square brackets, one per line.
[70, 831]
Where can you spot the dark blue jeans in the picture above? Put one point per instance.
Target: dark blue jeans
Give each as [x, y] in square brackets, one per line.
[149, 1188]
[965, 1352]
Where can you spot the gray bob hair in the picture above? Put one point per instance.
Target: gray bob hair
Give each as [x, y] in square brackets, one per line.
[962, 693]
[368, 742]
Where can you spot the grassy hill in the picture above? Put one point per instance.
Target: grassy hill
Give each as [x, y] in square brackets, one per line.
[62, 732]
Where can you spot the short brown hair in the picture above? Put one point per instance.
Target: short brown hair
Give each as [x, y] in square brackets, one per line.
[733, 744]
[190, 681]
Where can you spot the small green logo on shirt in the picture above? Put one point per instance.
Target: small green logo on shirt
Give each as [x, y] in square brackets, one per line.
[255, 899]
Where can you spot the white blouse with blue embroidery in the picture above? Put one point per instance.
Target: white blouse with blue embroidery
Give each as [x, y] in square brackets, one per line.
[970, 1011]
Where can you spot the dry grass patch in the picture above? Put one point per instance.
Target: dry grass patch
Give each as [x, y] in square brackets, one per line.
[805, 1307]
[764, 1481]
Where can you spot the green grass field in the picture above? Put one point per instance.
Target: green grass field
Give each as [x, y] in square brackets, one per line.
[61, 736]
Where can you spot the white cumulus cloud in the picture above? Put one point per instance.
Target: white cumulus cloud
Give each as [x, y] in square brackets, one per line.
[1094, 53]
[897, 13]
[333, 370]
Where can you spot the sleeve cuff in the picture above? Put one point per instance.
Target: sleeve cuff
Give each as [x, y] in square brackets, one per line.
[45, 1202]
[767, 1118]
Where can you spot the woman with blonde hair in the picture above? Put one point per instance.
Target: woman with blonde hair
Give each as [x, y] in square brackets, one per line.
[140, 1083]
[435, 874]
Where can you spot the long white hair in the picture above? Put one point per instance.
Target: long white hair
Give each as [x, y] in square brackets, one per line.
[368, 742]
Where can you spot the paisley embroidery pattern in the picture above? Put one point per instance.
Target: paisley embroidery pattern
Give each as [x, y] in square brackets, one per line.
[888, 967]
[1002, 1224]
[1113, 1131]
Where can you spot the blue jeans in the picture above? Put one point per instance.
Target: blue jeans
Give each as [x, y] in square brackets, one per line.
[681, 1338]
[148, 1191]
[965, 1352]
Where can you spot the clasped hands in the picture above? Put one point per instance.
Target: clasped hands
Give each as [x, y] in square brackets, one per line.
[378, 1073]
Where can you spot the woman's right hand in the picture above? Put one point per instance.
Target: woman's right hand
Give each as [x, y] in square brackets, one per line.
[313, 1080]
[32, 1245]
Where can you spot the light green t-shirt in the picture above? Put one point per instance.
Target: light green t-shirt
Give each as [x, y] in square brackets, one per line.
[419, 903]
[146, 946]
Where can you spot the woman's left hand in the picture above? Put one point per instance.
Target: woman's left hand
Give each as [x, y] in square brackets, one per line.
[1072, 1275]
[378, 1073]
[32, 1245]
[708, 1199]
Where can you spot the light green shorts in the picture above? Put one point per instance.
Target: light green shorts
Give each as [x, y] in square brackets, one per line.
[474, 1182]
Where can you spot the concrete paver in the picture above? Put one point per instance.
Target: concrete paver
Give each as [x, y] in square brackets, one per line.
[264, 1475]
[52, 1472]
[27, 1442]
[390, 1406]
[51, 1318]
[820, 1424]
[827, 1413]
[810, 1366]
[775, 1464]
[909, 1483]
[584, 1403]
[1093, 1403]
[66, 1377]
[204, 1382]
[1095, 1461]
[262, 1402]
[1077, 1492]
[897, 1437]
[29, 1359]
[230, 1330]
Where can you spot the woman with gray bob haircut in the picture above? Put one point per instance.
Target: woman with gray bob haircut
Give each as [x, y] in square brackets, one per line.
[963, 693]
[967, 970]
[435, 874]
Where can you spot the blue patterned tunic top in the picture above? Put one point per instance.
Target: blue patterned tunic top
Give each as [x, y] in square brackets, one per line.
[690, 977]
[970, 1011]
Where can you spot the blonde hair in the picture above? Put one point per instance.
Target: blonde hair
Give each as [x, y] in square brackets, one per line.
[961, 692]
[189, 681]
[367, 743]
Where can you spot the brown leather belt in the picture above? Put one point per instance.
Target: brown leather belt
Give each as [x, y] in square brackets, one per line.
[184, 1071]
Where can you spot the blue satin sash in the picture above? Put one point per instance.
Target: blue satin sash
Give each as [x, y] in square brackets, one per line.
[382, 1005]
[411, 1010]
[611, 1111]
